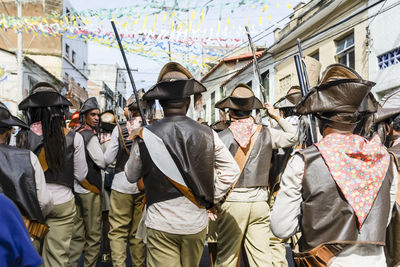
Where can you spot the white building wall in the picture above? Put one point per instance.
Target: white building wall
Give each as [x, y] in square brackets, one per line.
[385, 36]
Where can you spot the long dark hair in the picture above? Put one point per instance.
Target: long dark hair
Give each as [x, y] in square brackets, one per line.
[53, 126]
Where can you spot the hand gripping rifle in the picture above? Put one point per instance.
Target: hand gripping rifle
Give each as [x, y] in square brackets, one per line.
[129, 73]
[305, 88]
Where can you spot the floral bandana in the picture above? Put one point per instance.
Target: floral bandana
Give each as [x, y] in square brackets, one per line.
[37, 128]
[358, 167]
[243, 130]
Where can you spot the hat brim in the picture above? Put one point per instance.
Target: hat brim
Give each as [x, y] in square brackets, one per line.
[13, 121]
[239, 103]
[177, 89]
[341, 96]
[44, 99]
[385, 113]
[288, 101]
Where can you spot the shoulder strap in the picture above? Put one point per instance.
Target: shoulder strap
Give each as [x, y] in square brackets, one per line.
[121, 133]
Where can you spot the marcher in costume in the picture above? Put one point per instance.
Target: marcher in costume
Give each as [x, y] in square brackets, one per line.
[177, 157]
[22, 179]
[340, 191]
[16, 248]
[87, 223]
[387, 121]
[244, 216]
[61, 154]
[126, 200]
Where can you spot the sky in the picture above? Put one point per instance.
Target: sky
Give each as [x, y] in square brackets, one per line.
[230, 17]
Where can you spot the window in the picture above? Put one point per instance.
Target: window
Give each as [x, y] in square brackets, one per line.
[84, 66]
[32, 82]
[221, 92]
[285, 83]
[265, 84]
[67, 50]
[204, 112]
[315, 55]
[250, 84]
[212, 107]
[73, 56]
[345, 51]
[389, 58]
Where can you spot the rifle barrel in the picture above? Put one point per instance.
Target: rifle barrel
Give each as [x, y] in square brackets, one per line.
[128, 69]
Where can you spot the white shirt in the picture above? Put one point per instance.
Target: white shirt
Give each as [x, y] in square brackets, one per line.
[180, 215]
[120, 182]
[286, 215]
[96, 154]
[61, 193]
[280, 138]
[44, 195]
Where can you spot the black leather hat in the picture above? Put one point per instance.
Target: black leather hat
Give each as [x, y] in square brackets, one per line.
[43, 94]
[8, 120]
[169, 87]
[90, 104]
[241, 98]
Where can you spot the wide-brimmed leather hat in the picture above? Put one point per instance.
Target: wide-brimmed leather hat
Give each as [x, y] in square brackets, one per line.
[341, 90]
[170, 88]
[290, 100]
[241, 98]
[131, 103]
[8, 120]
[90, 104]
[384, 114]
[43, 94]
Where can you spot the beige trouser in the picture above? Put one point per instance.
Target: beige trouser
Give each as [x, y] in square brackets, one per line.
[124, 217]
[87, 230]
[56, 244]
[172, 250]
[247, 223]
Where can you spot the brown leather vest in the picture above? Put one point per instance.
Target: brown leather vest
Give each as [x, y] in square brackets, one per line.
[191, 146]
[393, 230]
[256, 171]
[326, 215]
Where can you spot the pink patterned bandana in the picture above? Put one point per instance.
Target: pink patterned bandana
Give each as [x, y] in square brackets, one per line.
[243, 130]
[37, 128]
[358, 167]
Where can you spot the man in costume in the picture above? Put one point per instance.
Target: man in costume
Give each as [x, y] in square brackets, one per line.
[87, 224]
[177, 157]
[126, 200]
[61, 154]
[340, 191]
[244, 215]
[22, 179]
[16, 248]
[387, 123]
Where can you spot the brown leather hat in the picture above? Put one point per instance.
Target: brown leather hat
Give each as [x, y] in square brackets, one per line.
[342, 90]
[290, 100]
[385, 113]
[241, 98]
[131, 103]
[174, 82]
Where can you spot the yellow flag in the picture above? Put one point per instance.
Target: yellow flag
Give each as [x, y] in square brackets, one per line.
[248, 22]
[125, 24]
[269, 17]
[264, 8]
[261, 21]
[289, 6]
[219, 26]
[164, 17]
[154, 22]
[145, 22]
[193, 14]
[190, 26]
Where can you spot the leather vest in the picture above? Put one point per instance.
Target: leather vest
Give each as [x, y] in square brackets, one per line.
[191, 146]
[66, 175]
[256, 170]
[326, 215]
[122, 155]
[17, 181]
[393, 230]
[94, 172]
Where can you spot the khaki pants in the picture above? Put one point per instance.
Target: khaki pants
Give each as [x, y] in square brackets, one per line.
[172, 250]
[277, 246]
[56, 244]
[87, 230]
[124, 217]
[247, 223]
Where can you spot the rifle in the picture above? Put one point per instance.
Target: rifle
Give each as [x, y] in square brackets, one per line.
[129, 74]
[256, 64]
[305, 88]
